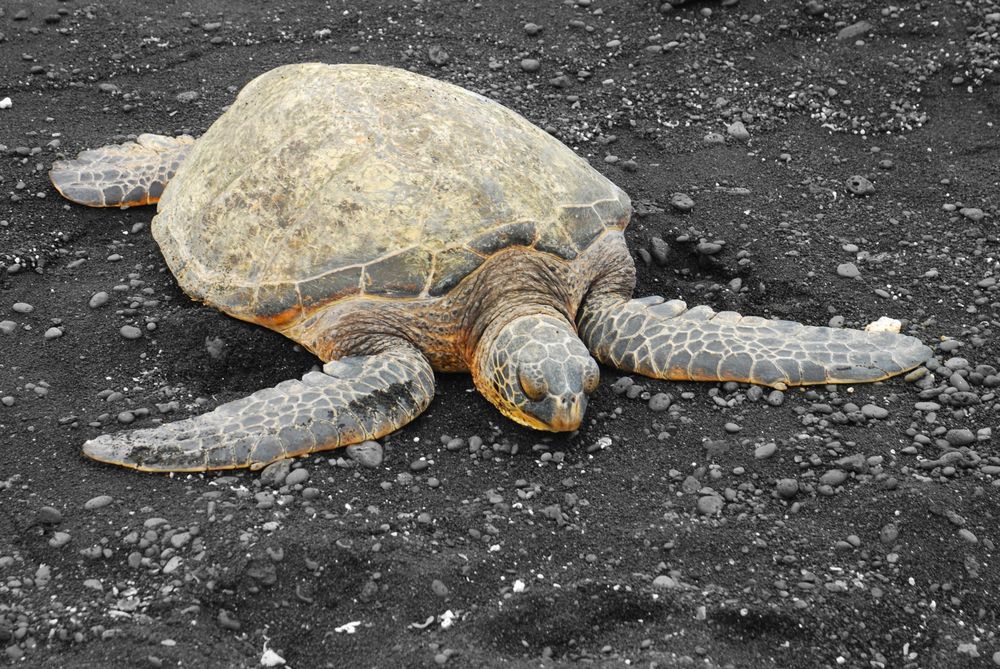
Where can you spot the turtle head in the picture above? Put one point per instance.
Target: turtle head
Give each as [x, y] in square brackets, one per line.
[537, 372]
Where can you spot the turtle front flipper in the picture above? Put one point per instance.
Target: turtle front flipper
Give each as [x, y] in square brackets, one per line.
[666, 340]
[121, 175]
[352, 400]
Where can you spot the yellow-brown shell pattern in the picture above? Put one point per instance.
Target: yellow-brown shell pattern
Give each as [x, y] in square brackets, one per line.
[323, 182]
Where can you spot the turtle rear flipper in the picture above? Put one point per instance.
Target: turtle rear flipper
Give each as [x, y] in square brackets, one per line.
[121, 175]
[666, 340]
[352, 400]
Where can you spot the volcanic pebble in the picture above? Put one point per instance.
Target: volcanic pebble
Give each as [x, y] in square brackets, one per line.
[49, 515]
[854, 30]
[664, 581]
[788, 488]
[738, 131]
[228, 622]
[710, 505]
[765, 451]
[681, 202]
[659, 402]
[274, 474]
[367, 453]
[959, 437]
[833, 477]
[59, 539]
[859, 185]
[98, 502]
[98, 300]
[530, 65]
[974, 214]
[968, 536]
[848, 270]
[873, 411]
[296, 476]
[130, 332]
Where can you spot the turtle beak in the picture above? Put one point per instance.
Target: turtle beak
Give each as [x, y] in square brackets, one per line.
[567, 412]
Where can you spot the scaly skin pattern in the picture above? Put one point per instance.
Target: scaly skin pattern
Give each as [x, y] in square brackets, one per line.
[537, 372]
[351, 400]
[121, 175]
[666, 340]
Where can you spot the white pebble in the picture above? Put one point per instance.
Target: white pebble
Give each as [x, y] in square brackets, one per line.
[884, 324]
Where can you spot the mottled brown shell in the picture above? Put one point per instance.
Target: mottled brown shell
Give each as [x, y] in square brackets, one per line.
[323, 182]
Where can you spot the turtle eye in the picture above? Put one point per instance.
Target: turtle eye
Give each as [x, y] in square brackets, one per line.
[532, 383]
[591, 377]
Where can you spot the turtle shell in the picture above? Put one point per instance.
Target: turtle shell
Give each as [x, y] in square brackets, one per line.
[324, 182]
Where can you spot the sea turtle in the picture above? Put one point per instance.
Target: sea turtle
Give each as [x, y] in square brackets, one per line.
[395, 225]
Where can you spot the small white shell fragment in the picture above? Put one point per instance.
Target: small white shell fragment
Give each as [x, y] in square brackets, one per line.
[447, 619]
[271, 659]
[6, 103]
[518, 585]
[423, 625]
[884, 324]
[349, 628]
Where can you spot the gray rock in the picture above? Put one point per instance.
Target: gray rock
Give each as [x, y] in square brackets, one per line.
[873, 411]
[833, 477]
[660, 250]
[130, 332]
[960, 437]
[98, 502]
[738, 131]
[664, 581]
[659, 401]
[974, 214]
[98, 300]
[859, 185]
[367, 454]
[49, 515]
[787, 488]
[274, 474]
[681, 202]
[848, 270]
[765, 451]
[854, 31]
[710, 505]
[437, 56]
